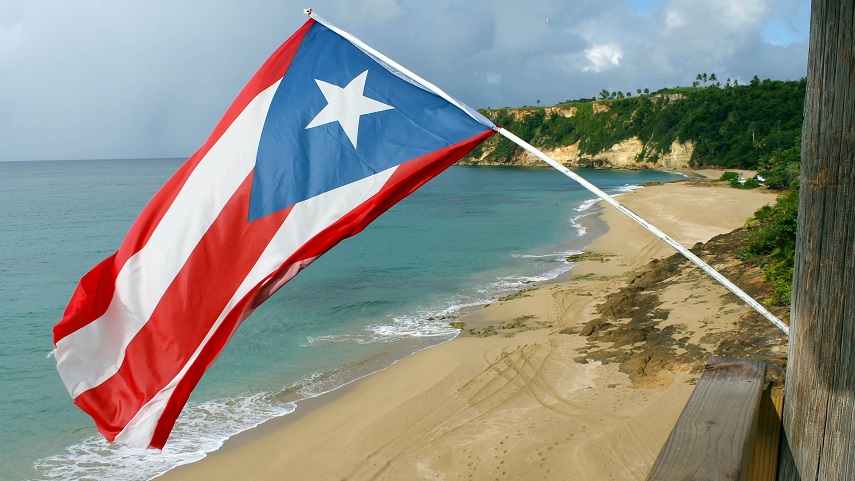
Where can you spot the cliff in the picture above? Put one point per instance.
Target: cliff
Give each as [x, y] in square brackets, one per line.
[734, 127]
[622, 155]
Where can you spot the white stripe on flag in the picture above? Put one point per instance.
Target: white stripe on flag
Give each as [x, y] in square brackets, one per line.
[92, 354]
[306, 220]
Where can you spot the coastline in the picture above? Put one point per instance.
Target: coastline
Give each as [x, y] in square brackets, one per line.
[539, 400]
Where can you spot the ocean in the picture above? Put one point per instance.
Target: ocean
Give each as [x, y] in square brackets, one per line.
[468, 237]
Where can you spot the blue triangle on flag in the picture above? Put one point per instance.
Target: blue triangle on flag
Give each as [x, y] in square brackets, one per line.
[294, 163]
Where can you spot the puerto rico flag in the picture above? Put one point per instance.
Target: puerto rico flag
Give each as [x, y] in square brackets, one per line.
[321, 141]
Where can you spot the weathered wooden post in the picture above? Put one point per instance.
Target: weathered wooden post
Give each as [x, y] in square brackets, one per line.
[819, 406]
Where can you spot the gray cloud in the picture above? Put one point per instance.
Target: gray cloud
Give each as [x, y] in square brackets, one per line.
[91, 79]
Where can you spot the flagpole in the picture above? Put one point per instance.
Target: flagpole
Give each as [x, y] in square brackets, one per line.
[647, 225]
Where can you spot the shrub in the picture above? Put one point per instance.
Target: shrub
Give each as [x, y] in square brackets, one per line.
[730, 176]
[771, 242]
[748, 184]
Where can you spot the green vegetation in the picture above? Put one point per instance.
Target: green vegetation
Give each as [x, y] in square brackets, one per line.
[781, 168]
[754, 126]
[771, 242]
[730, 177]
[733, 179]
[751, 183]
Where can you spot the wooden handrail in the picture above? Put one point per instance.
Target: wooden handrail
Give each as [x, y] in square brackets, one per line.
[714, 436]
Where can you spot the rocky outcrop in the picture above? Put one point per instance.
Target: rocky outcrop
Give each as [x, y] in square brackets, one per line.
[679, 157]
[519, 114]
[564, 112]
[516, 114]
[623, 155]
[599, 107]
[670, 97]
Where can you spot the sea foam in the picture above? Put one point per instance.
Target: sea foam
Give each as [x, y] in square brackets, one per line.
[201, 429]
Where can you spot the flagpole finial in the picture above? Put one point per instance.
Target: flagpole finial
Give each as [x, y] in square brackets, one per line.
[307, 11]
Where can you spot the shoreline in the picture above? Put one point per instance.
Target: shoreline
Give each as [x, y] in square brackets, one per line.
[495, 406]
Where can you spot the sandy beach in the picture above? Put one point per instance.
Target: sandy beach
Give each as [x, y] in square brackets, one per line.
[577, 379]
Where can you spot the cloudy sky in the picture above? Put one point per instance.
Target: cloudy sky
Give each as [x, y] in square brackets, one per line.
[138, 79]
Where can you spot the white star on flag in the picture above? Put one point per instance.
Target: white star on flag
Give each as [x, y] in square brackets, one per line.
[346, 105]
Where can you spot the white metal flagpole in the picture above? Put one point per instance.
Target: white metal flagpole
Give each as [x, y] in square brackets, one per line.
[647, 225]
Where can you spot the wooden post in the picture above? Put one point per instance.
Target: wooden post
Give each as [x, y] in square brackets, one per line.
[819, 405]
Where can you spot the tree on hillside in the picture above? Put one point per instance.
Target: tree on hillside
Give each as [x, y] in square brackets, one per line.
[604, 94]
[646, 91]
[696, 84]
[699, 77]
[704, 78]
[638, 91]
[713, 78]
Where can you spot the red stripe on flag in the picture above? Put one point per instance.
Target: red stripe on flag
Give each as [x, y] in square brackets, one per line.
[407, 178]
[404, 181]
[192, 303]
[95, 290]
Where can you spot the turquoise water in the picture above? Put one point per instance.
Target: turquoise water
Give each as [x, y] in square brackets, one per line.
[472, 234]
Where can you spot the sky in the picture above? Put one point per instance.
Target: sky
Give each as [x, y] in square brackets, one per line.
[131, 79]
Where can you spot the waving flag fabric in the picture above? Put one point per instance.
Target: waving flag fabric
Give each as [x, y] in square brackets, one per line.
[322, 140]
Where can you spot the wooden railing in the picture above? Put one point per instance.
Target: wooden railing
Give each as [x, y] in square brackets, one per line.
[729, 430]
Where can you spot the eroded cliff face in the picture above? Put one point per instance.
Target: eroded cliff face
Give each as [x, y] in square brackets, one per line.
[521, 113]
[626, 154]
[679, 157]
[621, 156]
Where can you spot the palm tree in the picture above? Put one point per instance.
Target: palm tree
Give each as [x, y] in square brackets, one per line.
[646, 91]
[699, 78]
[704, 78]
[696, 84]
[638, 91]
[604, 94]
[713, 78]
